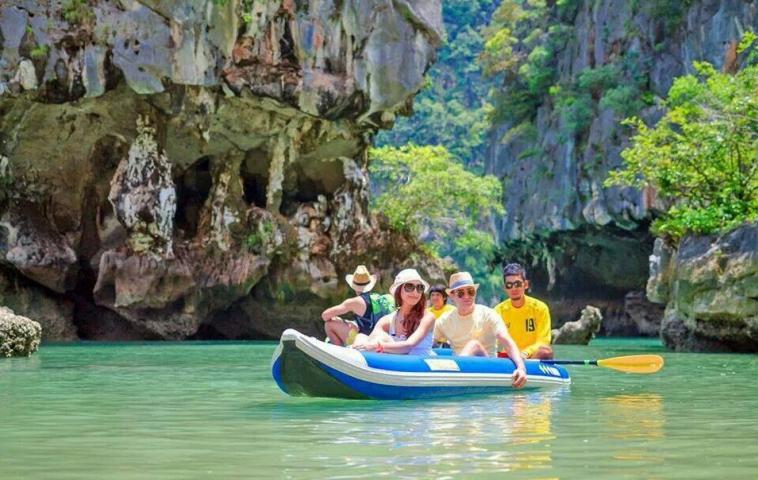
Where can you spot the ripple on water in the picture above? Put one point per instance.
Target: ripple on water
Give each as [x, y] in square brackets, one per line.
[196, 410]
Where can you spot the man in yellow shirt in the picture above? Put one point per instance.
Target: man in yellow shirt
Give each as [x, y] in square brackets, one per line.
[438, 299]
[527, 319]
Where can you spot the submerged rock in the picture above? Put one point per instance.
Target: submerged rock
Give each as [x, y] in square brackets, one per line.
[19, 336]
[581, 331]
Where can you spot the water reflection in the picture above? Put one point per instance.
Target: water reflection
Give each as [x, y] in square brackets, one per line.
[455, 437]
[636, 420]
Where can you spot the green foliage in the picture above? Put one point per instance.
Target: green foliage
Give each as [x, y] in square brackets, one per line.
[78, 12]
[670, 12]
[39, 51]
[625, 100]
[747, 48]
[702, 154]
[431, 191]
[535, 250]
[575, 109]
[452, 109]
[598, 79]
[521, 46]
[258, 240]
[433, 196]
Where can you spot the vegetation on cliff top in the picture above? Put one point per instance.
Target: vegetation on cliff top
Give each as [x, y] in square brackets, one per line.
[453, 110]
[702, 156]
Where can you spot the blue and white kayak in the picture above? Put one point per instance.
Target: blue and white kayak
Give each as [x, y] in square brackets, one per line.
[305, 366]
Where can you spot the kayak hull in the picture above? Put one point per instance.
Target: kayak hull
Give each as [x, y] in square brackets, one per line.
[305, 366]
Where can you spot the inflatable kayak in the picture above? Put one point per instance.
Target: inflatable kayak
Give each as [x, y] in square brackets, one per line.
[305, 366]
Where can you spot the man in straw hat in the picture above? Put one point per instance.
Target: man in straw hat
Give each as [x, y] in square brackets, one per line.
[472, 330]
[367, 307]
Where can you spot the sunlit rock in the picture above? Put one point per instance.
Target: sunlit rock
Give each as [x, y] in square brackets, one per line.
[19, 336]
[713, 305]
[581, 331]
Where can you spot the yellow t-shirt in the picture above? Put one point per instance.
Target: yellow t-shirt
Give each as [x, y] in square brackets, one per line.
[528, 325]
[438, 313]
[482, 324]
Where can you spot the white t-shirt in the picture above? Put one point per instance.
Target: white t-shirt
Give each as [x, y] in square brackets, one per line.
[482, 324]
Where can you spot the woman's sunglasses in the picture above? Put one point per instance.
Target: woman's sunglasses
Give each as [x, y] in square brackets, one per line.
[409, 287]
[465, 291]
[516, 284]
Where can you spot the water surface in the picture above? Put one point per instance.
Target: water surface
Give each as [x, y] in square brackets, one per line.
[211, 410]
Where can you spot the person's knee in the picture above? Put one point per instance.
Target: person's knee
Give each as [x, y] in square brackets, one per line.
[545, 352]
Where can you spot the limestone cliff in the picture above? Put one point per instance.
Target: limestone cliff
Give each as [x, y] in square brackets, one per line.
[592, 242]
[709, 285]
[163, 160]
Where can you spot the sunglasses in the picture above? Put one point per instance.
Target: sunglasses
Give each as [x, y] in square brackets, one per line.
[409, 287]
[465, 291]
[516, 284]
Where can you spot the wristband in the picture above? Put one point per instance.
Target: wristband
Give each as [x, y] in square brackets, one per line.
[379, 347]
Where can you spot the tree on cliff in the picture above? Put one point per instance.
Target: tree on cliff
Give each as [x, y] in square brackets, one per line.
[452, 109]
[433, 197]
[702, 155]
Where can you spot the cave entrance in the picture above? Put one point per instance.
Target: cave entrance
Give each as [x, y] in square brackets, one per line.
[192, 189]
[305, 181]
[254, 175]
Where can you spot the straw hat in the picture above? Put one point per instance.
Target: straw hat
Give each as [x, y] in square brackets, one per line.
[406, 276]
[361, 279]
[459, 280]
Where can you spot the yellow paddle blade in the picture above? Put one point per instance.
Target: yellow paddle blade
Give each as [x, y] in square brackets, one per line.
[634, 363]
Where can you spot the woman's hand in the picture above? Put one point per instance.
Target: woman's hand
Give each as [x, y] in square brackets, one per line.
[368, 346]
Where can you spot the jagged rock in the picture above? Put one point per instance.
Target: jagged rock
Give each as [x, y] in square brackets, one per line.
[639, 318]
[581, 331]
[713, 305]
[54, 312]
[169, 147]
[143, 195]
[660, 272]
[19, 336]
[38, 251]
[26, 76]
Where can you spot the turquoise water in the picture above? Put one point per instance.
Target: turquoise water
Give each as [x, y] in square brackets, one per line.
[211, 410]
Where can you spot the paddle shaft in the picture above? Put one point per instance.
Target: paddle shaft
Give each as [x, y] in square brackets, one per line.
[570, 362]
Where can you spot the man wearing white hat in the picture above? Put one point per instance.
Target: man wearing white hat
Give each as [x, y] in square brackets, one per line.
[367, 307]
[473, 330]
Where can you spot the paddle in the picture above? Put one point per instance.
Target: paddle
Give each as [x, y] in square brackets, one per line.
[629, 364]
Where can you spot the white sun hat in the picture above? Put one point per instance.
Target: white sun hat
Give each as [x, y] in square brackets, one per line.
[407, 276]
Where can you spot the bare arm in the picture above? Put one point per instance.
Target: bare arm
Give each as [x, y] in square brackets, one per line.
[519, 375]
[354, 305]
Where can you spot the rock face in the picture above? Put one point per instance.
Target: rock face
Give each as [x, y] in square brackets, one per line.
[158, 160]
[19, 336]
[710, 287]
[581, 331]
[553, 176]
